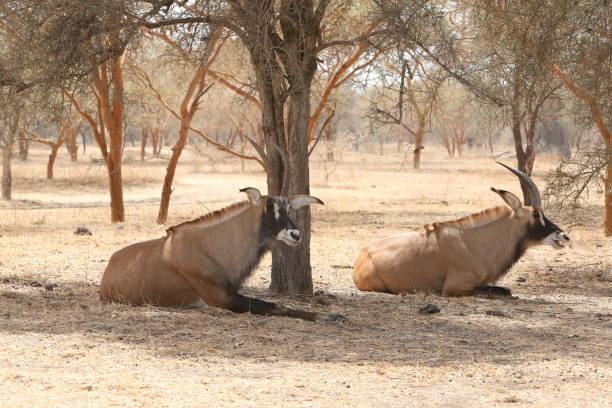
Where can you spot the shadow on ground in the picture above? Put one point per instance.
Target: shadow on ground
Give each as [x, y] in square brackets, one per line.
[381, 328]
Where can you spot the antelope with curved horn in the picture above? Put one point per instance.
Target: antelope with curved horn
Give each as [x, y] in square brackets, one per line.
[460, 257]
[205, 261]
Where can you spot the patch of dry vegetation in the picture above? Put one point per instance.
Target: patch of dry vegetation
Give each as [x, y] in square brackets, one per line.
[62, 347]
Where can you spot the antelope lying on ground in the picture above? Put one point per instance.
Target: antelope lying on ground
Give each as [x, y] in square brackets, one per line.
[206, 260]
[461, 257]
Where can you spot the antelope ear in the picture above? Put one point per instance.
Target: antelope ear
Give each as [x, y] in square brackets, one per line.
[510, 199]
[298, 201]
[253, 194]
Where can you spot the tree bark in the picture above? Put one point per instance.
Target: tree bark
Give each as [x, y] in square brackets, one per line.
[52, 156]
[23, 148]
[143, 142]
[162, 215]
[112, 111]
[522, 159]
[7, 177]
[7, 155]
[291, 270]
[608, 194]
[71, 142]
[418, 144]
[329, 133]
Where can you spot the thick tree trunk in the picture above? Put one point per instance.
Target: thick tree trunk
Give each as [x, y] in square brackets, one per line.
[116, 190]
[416, 157]
[291, 270]
[115, 133]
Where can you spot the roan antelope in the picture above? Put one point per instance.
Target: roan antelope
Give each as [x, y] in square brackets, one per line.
[206, 260]
[461, 257]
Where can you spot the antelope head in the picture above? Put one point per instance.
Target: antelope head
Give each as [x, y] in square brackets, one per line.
[275, 221]
[540, 230]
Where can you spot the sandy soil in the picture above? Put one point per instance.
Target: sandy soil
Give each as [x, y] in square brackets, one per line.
[551, 346]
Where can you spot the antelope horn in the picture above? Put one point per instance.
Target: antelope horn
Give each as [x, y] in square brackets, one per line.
[262, 154]
[268, 165]
[534, 193]
[286, 172]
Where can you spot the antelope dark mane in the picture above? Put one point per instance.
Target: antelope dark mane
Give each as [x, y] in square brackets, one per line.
[476, 220]
[213, 217]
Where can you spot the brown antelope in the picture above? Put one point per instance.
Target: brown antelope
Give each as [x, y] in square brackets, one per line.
[206, 260]
[461, 257]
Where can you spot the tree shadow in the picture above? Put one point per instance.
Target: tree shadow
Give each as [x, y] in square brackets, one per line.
[381, 328]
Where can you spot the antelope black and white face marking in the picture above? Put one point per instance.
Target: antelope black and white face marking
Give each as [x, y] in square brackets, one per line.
[548, 233]
[540, 230]
[277, 224]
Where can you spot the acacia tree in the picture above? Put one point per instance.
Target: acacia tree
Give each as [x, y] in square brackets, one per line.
[108, 89]
[406, 96]
[571, 40]
[67, 132]
[189, 105]
[12, 107]
[283, 39]
[520, 83]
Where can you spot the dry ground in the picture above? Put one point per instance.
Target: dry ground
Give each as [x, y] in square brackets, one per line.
[60, 347]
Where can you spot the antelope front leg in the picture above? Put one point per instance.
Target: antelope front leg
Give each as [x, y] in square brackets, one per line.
[244, 304]
[215, 294]
[493, 291]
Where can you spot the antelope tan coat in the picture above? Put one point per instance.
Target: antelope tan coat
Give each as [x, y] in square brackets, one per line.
[458, 257]
[167, 271]
[451, 258]
[205, 261]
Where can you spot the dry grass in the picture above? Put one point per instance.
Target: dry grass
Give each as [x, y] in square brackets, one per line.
[62, 347]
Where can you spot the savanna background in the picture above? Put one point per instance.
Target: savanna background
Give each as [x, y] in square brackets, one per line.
[120, 119]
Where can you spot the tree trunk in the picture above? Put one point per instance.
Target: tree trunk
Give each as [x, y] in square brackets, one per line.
[116, 191]
[162, 216]
[7, 155]
[418, 145]
[330, 142]
[143, 142]
[71, 143]
[114, 120]
[52, 156]
[524, 159]
[608, 195]
[7, 177]
[84, 143]
[291, 270]
[23, 148]
[399, 142]
[154, 141]
[160, 142]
